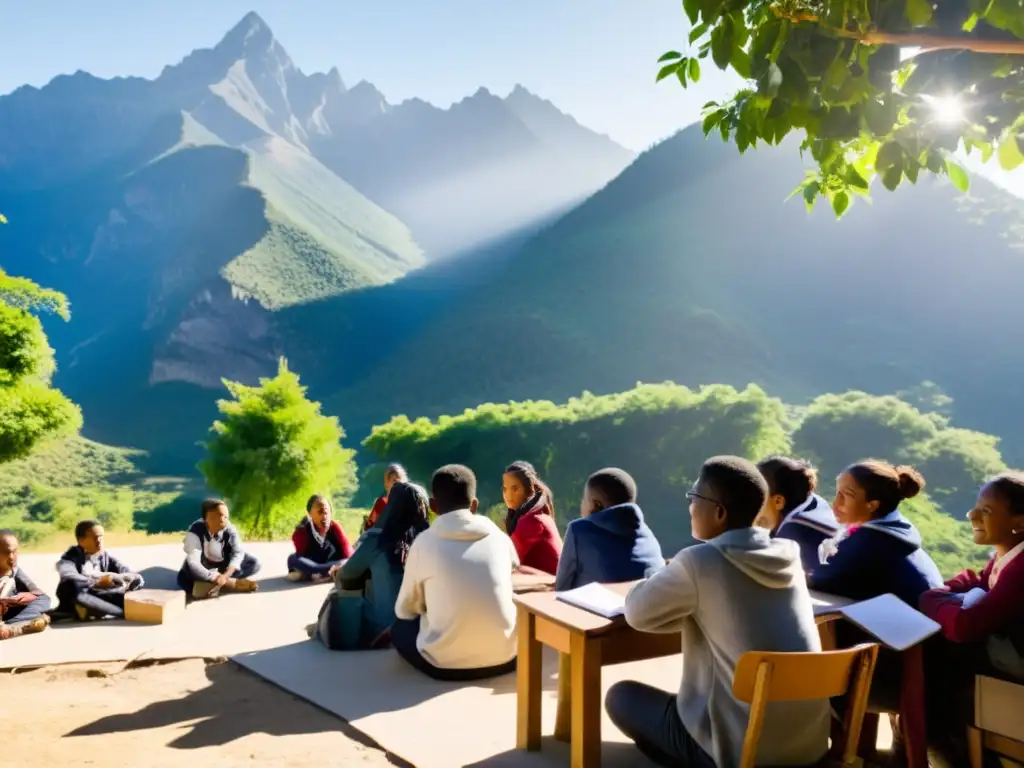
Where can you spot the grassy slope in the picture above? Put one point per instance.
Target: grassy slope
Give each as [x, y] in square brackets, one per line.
[78, 478]
[690, 267]
[324, 237]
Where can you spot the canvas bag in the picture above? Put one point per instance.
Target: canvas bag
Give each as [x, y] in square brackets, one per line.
[340, 622]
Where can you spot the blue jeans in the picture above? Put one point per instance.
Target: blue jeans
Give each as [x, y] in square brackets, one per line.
[403, 638]
[649, 717]
[20, 614]
[97, 602]
[309, 568]
[250, 567]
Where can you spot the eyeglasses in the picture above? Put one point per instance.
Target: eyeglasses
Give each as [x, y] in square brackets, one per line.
[692, 495]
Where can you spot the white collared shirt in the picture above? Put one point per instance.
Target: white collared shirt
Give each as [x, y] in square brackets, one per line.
[1002, 562]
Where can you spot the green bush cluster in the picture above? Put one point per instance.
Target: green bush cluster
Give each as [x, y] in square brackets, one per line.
[662, 433]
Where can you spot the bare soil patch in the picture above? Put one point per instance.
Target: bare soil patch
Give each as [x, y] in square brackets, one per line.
[187, 713]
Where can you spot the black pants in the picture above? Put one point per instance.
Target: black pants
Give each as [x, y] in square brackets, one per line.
[403, 638]
[97, 602]
[649, 717]
[250, 567]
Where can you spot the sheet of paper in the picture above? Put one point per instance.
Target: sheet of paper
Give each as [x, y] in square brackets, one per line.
[823, 603]
[596, 599]
[891, 621]
[972, 597]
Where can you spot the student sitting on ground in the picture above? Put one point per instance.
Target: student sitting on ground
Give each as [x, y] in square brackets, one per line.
[982, 617]
[395, 473]
[879, 550]
[23, 606]
[456, 619]
[739, 591]
[793, 510]
[320, 544]
[93, 582]
[610, 542]
[360, 613]
[214, 557]
[531, 517]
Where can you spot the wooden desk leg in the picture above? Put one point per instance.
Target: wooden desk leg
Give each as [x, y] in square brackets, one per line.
[975, 747]
[585, 663]
[528, 682]
[912, 715]
[563, 716]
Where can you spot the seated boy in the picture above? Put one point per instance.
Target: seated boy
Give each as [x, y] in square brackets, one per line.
[456, 619]
[23, 606]
[610, 542]
[738, 591]
[214, 557]
[93, 582]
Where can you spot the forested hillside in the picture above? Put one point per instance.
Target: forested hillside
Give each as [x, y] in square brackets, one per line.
[693, 266]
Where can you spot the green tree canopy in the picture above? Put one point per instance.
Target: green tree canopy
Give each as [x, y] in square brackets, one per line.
[273, 449]
[32, 412]
[890, 88]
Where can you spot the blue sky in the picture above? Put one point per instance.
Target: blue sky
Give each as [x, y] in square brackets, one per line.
[593, 58]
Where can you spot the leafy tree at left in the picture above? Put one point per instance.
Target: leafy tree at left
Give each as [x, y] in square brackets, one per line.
[271, 450]
[32, 411]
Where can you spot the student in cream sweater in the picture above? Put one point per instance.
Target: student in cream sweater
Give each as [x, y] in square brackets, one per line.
[738, 591]
[456, 619]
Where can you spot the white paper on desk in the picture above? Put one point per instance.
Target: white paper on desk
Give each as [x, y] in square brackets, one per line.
[595, 598]
[823, 602]
[892, 621]
[972, 597]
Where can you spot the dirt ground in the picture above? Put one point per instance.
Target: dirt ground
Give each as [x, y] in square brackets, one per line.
[186, 713]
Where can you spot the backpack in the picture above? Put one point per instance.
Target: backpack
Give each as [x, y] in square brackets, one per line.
[340, 622]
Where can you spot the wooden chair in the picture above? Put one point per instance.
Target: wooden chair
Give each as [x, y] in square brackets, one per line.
[998, 726]
[762, 677]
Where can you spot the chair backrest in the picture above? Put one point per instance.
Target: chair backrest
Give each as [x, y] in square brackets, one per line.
[763, 676]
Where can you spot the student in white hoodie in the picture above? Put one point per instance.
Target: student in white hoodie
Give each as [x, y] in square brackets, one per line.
[738, 591]
[456, 618]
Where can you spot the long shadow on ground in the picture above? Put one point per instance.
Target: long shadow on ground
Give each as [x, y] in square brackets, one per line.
[230, 708]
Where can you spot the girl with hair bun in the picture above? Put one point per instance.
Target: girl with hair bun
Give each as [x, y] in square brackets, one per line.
[878, 550]
[530, 521]
[793, 510]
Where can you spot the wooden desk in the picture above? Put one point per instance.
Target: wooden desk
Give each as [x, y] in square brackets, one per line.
[589, 642]
[586, 642]
[526, 579]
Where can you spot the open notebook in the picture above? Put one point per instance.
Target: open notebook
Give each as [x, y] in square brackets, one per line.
[596, 599]
[891, 621]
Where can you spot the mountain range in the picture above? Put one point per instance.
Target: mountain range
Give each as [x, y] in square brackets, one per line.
[410, 259]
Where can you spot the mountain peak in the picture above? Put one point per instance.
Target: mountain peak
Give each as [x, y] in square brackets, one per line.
[252, 32]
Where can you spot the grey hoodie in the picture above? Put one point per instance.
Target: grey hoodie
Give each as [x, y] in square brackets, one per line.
[458, 580]
[741, 591]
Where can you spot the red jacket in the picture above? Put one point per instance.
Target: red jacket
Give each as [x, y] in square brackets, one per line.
[1000, 610]
[306, 546]
[378, 507]
[537, 540]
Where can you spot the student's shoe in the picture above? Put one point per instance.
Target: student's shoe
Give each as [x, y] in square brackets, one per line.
[320, 578]
[7, 631]
[311, 630]
[294, 576]
[243, 585]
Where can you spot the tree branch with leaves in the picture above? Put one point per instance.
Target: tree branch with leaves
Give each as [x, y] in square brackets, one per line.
[886, 88]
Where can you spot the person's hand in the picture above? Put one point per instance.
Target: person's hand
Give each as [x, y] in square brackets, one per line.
[106, 581]
[221, 579]
[24, 598]
[333, 570]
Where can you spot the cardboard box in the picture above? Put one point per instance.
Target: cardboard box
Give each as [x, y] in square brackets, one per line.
[154, 606]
